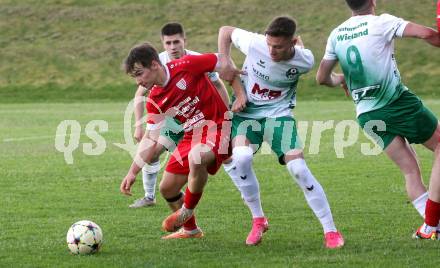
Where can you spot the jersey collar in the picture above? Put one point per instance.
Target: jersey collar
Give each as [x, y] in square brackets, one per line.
[167, 71]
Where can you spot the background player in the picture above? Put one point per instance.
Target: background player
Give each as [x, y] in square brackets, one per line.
[364, 47]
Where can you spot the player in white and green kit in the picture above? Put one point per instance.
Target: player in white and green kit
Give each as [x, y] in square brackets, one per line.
[387, 110]
[274, 62]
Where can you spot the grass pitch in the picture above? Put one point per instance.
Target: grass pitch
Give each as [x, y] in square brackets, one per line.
[42, 196]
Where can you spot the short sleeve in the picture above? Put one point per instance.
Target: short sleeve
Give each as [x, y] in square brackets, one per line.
[242, 39]
[391, 26]
[155, 119]
[196, 64]
[304, 57]
[330, 53]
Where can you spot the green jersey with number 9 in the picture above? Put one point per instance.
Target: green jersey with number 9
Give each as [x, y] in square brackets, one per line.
[270, 86]
[364, 47]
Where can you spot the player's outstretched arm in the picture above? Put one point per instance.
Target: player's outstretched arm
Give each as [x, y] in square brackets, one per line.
[430, 35]
[143, 155]
[240, 96]
[139, 112]
[227, 70]
[326, 76]
[239, 92]
[220, 86]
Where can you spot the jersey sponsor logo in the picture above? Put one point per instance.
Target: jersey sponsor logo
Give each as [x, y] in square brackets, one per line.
[264, 93]
[290, 74]
[243, 177]
[364, 93]
[194, 121]
[260, 74]
[345, 37]
[261, 63]
[345, 29]
[181, 84]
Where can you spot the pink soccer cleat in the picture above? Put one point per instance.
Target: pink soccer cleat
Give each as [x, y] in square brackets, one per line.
[333, 240]
[259, 226]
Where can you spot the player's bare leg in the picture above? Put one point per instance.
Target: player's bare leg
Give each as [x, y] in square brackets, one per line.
[314, 195]
[199, 158]
[170, 188]
[404, 156]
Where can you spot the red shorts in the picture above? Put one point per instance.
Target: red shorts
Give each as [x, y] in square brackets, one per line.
[217, 139]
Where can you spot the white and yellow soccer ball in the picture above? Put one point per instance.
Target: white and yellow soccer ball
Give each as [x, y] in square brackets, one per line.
[84, 237]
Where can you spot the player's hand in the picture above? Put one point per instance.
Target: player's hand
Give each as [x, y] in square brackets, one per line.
[239, 104]
[227, 69]
[138, 133]
[345, 88]
[126, 184]
[299, 41]
[339, 79]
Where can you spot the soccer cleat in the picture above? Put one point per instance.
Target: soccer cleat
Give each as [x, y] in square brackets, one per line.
[259, 227]
[183, 234]
[433, 235]
[143, 202]
[173, 222]
[333, 240]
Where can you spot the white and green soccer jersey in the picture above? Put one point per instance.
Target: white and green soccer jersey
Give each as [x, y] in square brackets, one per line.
[270, 86]
[364, 47]
[165, 58]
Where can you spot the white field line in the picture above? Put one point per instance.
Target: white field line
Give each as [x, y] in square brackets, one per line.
[42, 137]
[35, 138]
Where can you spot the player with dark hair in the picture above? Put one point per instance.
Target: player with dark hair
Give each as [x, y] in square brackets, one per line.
[173, 40]
[387, 110]
[181, 90]
[274, 62]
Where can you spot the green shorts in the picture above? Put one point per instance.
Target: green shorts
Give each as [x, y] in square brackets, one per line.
[280, 133]
[172, 131]
[406, 117]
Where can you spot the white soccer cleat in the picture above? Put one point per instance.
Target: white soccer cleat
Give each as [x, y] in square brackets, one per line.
[143, 202]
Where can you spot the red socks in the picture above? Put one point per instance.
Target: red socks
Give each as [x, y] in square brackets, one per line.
[432, 213]
[191, 200]
[190, 224]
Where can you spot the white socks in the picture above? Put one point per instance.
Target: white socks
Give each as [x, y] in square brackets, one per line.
[149, 178]
[420, 204]
[313, 192]
[241, 172]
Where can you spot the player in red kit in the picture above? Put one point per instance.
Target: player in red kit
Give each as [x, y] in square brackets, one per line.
[181, 90]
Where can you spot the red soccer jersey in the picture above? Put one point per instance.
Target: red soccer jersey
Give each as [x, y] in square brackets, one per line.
[188, 95]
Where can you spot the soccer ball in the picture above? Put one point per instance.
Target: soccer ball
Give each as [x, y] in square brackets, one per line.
[84, 237]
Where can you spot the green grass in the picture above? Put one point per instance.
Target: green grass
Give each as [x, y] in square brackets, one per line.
[42, 196]
[64, 50]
